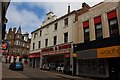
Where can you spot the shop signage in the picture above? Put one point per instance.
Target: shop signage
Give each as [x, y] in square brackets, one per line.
[57, 52]
[34, 55]
[74, 55]
[55, 48]
[108, 52]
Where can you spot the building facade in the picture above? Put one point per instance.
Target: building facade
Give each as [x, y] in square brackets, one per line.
[98, 41]
[19, 45]
[52, 44]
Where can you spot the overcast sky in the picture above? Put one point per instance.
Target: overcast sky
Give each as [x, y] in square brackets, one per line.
[31, 14]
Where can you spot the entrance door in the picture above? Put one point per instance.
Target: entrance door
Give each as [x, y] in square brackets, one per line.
[114, 68]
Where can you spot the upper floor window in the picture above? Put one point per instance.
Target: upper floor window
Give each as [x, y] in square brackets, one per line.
[113, 23]
[46, 42]
[25, 38]
[98, 27]
[40, 32]
[39, 44]
[55, 40]
[33, 46]
[55, 26]
[17, 42]
[65, 37]
[86, 31]
[66, 22]
[35, 35]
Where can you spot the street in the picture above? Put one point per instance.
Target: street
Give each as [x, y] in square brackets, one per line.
[34, 74]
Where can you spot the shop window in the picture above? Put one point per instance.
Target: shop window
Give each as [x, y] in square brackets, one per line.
[113, 23]
[46, 42]
[33, 46]
[65, 37]
[55, 26]
[86, 31]
[98, 27]
[55, 40]
[66, 22]
[39, 44]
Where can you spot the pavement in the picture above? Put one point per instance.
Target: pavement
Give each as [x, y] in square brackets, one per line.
[59, 74]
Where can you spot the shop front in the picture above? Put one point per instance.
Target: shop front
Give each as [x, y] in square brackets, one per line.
[34, 59]
[87, 64]
[57, 57]
[112, 55]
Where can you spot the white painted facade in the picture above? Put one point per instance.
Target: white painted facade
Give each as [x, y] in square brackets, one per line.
[48, 32]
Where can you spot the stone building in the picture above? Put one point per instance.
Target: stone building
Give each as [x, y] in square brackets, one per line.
[19, 44]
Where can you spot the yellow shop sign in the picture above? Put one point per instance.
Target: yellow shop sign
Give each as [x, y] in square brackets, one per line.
[108, 52]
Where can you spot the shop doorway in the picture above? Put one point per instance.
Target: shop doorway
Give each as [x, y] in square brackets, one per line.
[114, 68]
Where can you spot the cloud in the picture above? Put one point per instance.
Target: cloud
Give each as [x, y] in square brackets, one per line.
[60, 8]
[28, 19]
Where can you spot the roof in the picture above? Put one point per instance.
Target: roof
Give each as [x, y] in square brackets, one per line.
[54, 21]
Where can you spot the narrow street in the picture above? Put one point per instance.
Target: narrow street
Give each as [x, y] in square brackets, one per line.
[35, 74]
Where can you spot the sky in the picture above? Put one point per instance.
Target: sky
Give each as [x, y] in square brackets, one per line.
[30, 14]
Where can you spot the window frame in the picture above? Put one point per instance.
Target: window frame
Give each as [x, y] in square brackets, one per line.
[96, 31]
[54, 40]
[88, 33]
[65, 37]
[113, 26]
[66, 22]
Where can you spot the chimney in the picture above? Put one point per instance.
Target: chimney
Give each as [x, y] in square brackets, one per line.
[84, 5]
[68, 7]
[14, 30]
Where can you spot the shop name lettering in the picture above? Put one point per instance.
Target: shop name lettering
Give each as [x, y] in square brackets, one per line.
[111, 51]
[60, 47]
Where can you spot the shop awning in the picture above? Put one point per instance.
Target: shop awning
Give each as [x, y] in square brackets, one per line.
[34, 55]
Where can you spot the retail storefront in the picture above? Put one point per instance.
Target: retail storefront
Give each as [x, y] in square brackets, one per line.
[100, 62]
[57, 57]
[87, 64]
[34, 59]
[112, 55]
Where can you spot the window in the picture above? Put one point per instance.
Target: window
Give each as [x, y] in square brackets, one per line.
[86, 31]
[66, 22]
[113, 23]
[46, 42]
[39, 44]
[65, 37]
[98, 27]
[33, 46]
[35, 35]
[98, 30]
[17, 42]
[40, 32]
[55, 40]
[23, 44]
[56, 24]
[86, 34]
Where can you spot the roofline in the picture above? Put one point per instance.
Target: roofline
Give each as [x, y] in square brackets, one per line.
[54, 21]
